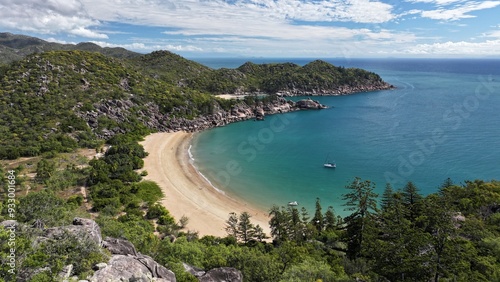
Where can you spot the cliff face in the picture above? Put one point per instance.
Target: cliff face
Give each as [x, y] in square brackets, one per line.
[151, 116]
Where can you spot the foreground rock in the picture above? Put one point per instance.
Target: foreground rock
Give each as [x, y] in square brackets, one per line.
[221, 274]
[133, 268]
[125, 262]
[82, 227]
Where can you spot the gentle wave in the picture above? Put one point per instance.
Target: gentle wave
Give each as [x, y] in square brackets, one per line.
[191, 160]
[191, 157]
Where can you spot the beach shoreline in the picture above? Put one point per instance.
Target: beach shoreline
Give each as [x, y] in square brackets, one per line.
[187, 192]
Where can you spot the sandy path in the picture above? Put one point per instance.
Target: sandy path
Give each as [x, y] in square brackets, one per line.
[186, 192]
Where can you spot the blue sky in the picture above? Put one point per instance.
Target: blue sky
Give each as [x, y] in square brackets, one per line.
[266, 28]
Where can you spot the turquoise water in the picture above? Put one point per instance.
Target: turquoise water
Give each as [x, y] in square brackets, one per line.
[442, 121]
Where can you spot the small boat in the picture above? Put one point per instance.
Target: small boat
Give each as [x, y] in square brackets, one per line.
[329, 164]
[294, 203]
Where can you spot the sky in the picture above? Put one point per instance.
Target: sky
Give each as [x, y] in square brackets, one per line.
[266, 28]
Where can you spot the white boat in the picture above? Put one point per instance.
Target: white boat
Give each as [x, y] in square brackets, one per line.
[294, 203]
[329, 164]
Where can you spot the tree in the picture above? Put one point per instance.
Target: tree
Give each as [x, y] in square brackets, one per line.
[439, 224]
[330, 219]
[232, 225]
[296, 226]
[446, 183]
[361, 201]
[259, 234]
[44, 206]
[278, 224]
[304, 214]
[400, 249]
[317, 220]
[412, 200]
[241, 228]
[246, 230]
[44, 170]
[309, 270]
[387, 200]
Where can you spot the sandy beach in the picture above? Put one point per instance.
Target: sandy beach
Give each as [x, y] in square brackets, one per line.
[186, 191]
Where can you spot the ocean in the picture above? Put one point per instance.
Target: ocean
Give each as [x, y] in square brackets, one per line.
[442, 121]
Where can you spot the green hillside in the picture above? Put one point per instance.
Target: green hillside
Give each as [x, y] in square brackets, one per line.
[14, 47]
[57, 97]
[42, 96]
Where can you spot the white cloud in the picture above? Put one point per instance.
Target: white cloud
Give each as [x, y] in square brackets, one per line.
[453, 10]
[361, 11]
[437, 2]
[251, 17]
[486, 48]
[55, 40]
[83, 32]
[48, 17]
[492, 34]
[149, 47]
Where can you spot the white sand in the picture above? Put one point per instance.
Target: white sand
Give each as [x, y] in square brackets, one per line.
[186, 191]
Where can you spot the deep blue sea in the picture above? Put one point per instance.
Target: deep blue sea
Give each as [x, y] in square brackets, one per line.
[442, 120]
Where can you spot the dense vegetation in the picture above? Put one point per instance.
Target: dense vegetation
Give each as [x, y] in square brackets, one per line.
[401, 235]
[14, 47]
[56, 98]
[450, 235]
[43, 97]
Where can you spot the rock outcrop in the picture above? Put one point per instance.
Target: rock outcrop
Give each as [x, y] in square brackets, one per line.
[119, 246]
[150, 115]
[125, 262]
[220, 274]
[337, 91]
[132, 268]
[81, 227]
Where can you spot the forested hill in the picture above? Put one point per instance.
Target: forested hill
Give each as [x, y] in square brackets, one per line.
[57, 97]
[60, 100]
[14, 47]
[315, 78]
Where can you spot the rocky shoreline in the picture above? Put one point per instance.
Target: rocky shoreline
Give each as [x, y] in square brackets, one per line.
[338, 91]
[150, 115]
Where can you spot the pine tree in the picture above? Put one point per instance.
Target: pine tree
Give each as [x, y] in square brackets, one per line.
[317, 220]
[387, 200]
[232, 225]
[246, 230]
[361, 201]
[278, 224]
[305, 215]
[330, 219]
[412, 200]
